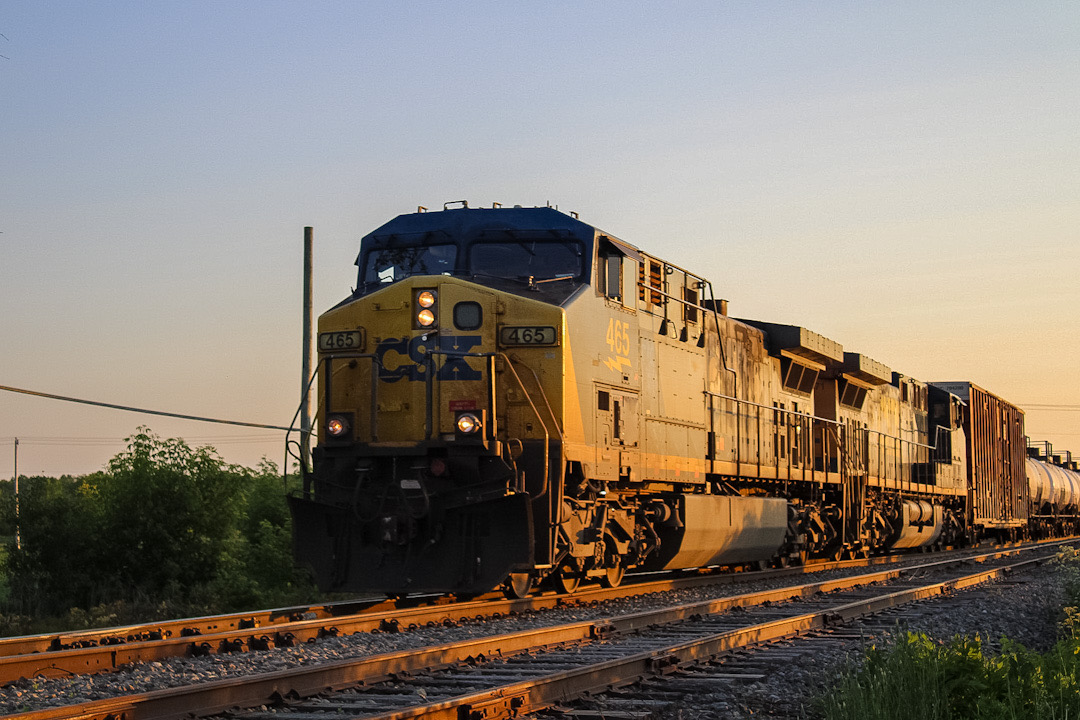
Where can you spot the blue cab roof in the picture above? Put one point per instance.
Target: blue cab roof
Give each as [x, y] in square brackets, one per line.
[463, 225]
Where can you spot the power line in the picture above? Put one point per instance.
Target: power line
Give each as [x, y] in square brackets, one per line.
[43, 440]
[142, 410]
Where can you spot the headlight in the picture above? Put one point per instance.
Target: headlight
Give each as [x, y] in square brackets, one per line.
[425, 299]
[467, 423]
[469, 429]
[337, 426]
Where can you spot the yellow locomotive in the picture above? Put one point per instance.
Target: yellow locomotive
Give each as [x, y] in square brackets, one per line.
[511, 396]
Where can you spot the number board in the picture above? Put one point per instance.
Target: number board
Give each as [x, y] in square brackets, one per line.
[528, 335]
[346, 340]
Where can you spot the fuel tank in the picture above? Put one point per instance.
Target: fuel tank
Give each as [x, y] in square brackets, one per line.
[721, 529]
[920, 524]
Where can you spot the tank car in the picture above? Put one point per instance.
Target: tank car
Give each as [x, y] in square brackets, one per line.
[1054, 488]
[511, 396]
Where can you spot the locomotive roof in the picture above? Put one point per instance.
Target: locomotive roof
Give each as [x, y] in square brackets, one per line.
[465, 224]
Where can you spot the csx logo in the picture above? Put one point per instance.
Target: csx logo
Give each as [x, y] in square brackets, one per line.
[404, 358]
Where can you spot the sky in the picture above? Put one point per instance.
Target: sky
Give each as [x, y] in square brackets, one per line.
[903, 178]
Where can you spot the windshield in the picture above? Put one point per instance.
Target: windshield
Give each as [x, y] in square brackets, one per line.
[392, 264]
[526, 259]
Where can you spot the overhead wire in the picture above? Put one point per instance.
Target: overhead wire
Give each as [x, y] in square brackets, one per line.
[106, 441]
[144, 411]
[98, 441]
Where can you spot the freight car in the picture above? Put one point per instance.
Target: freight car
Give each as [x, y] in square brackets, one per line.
[1054, 491]
[511, 396]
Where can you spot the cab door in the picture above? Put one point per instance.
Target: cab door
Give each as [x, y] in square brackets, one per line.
[616, 428]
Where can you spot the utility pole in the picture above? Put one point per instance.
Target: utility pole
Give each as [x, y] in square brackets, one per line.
[18, 538]
[307, 398]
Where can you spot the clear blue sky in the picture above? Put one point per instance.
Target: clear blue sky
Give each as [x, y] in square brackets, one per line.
[903, 178]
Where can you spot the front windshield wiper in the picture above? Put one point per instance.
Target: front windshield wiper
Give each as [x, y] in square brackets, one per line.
[489, 276]
[533, 282]
[529, 280]
[413, 273]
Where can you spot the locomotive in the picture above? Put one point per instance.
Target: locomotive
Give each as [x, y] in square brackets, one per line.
[511, 397]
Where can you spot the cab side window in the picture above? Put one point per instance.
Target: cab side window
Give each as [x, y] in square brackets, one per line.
[610, 276]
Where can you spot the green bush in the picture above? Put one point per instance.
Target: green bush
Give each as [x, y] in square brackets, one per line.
[165, 531]
[1067, 564]
[14, 625]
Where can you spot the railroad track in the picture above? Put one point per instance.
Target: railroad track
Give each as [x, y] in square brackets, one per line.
[522, 672]
[94, 651]
[188, 627]
[777, 679]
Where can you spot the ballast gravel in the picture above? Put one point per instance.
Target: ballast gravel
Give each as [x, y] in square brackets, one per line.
[1024, 611]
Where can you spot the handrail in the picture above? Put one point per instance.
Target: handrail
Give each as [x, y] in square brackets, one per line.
[528, 397]
[547, 435]
[774, 409]
[697, 306]
[902, 440]
[376, 361]
[883, 450]
[324, 405]
[540, 387]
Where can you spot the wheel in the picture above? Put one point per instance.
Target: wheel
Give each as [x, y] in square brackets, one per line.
[614, 575]
[567, 580]
[518, 585]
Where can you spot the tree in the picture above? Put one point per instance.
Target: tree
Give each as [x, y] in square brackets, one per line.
[168, 514]
[56, 567]
[166, 530]
[258, 570]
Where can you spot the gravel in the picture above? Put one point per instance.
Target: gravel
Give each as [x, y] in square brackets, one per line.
[1024, 611]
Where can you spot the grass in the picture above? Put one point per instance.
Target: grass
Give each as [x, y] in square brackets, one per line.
[931, 679]
[927, 679]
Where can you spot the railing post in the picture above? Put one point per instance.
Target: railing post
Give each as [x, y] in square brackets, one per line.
[492, 421]
[429, 393]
